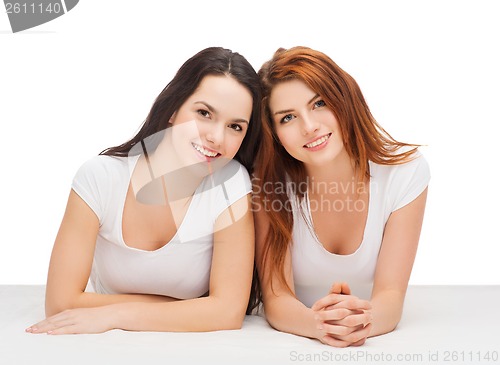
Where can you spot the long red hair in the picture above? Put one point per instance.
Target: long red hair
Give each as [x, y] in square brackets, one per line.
[364, 140]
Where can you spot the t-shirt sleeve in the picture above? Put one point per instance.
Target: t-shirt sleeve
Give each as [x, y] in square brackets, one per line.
[88, 184]
[410, 181]
[233, 183]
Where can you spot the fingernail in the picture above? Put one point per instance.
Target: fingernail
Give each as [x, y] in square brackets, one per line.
[28, 329]
[49, 332]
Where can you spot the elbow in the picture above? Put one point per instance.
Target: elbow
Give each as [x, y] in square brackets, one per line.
[54, 306]
[230, 318]
[392, 326]
[385, 330]
[233, 325]
[385, 327]
[272, 315]
[232, 321]
[52, 309]
[393, 322]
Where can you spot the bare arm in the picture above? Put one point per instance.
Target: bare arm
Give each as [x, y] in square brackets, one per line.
[283, 310]
[71, 262]
[395, 261]
[224, 308]
[394, 265]
[230, 282]
[288, 314]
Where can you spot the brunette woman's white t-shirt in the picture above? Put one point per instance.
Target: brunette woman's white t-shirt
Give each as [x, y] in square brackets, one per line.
[315, 269]
[179, 269]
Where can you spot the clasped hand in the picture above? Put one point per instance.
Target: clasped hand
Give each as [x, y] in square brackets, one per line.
[342, 319]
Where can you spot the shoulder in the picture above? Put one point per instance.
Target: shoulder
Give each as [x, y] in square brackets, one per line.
[95, 181]
[401, 183]
[101, 166]
[101, 162]
[100, 175]
[416, 167]
[231, 173]
[229, 184]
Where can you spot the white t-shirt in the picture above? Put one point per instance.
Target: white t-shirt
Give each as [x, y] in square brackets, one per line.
[315, 269]
[181, 268]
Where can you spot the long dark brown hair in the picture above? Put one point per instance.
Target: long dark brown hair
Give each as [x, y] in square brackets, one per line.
[210, 61]
[364, 140]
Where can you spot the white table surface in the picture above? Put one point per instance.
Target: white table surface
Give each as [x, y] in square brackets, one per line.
[440, 325]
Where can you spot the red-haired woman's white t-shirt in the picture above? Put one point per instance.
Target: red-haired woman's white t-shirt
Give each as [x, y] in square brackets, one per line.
[315, 269]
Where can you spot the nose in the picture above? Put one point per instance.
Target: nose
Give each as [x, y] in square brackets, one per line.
[215, 135]
[309, 124]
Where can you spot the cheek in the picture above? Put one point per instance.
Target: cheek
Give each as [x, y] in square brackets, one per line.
[233, 144]
[287, 138]
[329, 119]
[281, 135]
[178, 117]
[184, 130]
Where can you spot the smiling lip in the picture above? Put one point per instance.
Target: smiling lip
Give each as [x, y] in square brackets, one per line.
[318, 143]
[206, 153]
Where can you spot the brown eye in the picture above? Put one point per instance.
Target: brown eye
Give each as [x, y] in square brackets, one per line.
[204, 113]
[236, 127]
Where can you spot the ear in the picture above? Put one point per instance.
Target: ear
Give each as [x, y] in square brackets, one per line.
[172, 118]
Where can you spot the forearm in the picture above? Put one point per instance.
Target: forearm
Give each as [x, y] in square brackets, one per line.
[287, 314]
[387, 308]
[192, 315]
[55, 305]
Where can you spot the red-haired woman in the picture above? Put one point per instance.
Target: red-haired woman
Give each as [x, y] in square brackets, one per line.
[338, 202]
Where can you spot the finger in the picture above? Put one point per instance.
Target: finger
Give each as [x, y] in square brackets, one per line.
[353, 303]
[38, 327]
[353, 311]
[35, 328]
[356, 336]
[332, 341]
[336, 288]
[333, 314]
[52, 323]
[346, 289]
[64, 330]
[340, 332]
[330, 299]
[340, 288]
[354, 320]
[359, 343]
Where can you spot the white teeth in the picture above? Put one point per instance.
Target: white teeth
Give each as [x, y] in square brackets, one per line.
[204, 151]
[318, 141]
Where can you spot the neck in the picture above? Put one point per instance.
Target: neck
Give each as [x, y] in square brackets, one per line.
[162, 178]
[340, 169]
[339, 176]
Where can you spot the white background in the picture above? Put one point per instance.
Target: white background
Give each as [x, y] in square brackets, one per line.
[85, 81]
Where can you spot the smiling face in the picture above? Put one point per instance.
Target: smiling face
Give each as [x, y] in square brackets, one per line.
[212, 123]
[306, 127]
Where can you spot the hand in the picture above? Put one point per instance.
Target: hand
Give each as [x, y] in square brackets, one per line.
[79, 320]
[343, 319]
[340, 288]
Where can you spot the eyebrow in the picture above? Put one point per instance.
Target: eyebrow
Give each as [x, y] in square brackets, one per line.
[291, 110]
[213, 110]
